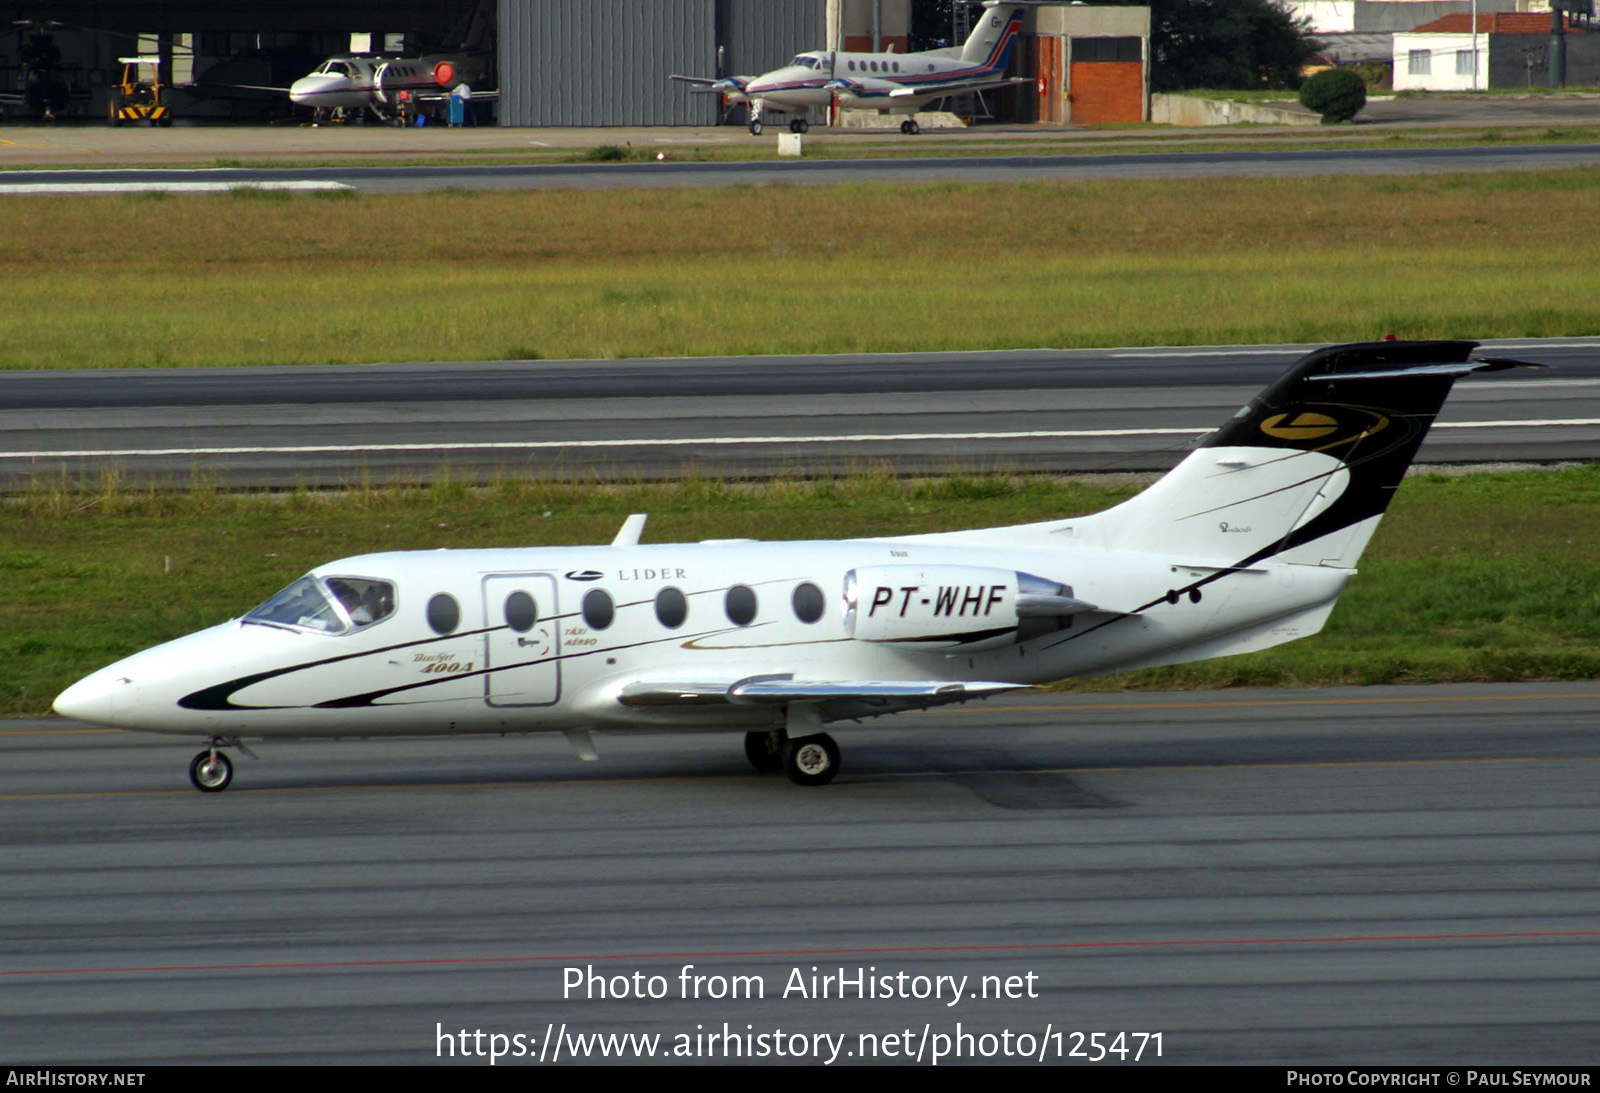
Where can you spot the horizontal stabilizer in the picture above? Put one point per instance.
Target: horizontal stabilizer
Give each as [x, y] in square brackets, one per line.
[1461, 368]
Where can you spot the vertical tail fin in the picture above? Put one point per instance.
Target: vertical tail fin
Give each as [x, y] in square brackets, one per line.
[994, 36]
[1304, 471]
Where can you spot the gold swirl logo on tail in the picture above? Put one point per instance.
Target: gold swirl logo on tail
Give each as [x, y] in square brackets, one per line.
[1303, 425]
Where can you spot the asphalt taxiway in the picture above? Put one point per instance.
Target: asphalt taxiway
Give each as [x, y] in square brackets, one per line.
[1362, 875]
[1292, 162]
[1038, 410]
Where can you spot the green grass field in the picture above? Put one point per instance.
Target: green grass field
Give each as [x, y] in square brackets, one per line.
[1478, 577]
[270, 279]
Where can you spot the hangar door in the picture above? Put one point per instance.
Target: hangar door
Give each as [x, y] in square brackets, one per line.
[1107, 80]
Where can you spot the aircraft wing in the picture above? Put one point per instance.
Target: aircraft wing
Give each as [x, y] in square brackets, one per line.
[441, 96]
[202, 88]
[847, 698]
[935, 91]
[705, 80]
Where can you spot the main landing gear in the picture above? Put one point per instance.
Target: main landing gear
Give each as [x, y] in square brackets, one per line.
[211, 770]
[910, 127]
[799, 125]
[801, 750]
[807, 760]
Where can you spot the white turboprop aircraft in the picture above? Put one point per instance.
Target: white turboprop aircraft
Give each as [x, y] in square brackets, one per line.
[897, 83]
[1246, 544]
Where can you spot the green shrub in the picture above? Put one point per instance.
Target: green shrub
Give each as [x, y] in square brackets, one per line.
[1338, 94]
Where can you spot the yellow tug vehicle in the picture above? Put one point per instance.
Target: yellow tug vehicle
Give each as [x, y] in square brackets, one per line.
[140, 95]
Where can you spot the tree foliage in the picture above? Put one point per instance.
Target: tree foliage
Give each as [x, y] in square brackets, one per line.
[1193, 43]
[1226, 44]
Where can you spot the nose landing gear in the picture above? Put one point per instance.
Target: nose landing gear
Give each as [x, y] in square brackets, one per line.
[211, 771]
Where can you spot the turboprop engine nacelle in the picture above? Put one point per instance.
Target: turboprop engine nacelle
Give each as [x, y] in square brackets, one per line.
[944, 607]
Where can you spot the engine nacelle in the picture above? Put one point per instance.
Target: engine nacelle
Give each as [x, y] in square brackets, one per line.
[953, 606]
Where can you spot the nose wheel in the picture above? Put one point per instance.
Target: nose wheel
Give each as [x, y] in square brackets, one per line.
[211, 771]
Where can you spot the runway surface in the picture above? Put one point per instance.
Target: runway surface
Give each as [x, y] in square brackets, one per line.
[1364, 875]
[1192, 164]
[1037, 410]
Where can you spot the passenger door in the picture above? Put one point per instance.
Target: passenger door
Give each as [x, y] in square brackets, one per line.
[522, 642]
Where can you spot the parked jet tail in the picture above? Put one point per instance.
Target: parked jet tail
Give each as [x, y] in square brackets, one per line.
[1303, 472]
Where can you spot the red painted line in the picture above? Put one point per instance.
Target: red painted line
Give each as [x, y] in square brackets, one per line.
[1058, 946]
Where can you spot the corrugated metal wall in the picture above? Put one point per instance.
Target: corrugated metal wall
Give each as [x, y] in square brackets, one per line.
[606, 62]
[760, 35]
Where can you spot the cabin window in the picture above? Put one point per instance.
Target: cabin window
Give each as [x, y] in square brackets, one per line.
[671, 608]
[808, 602]
[740, 604]
[852, 66]
[598, 610]
[444, 613]
[897, 66]
[364, 601]
[521, 612]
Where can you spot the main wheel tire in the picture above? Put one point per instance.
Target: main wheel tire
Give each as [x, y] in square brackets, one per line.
[912, 128]
[799, 125]
[811, 760]
[762, 755]
[210, 775]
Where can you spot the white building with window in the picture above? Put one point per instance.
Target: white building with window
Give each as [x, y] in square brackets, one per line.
[1439, 62]
[1439, 56]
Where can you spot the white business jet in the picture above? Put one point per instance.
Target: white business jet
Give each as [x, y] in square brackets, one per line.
[1246, 544]
[896, 83]
[360, 83]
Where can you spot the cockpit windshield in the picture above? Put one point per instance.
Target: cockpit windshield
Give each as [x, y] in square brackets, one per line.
[805, 60]
[327, 607]
[334, 68]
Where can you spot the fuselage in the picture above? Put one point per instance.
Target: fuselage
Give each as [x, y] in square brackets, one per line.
[518, 640]
[866, 79]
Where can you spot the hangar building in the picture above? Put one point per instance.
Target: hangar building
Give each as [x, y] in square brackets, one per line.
[560, 62]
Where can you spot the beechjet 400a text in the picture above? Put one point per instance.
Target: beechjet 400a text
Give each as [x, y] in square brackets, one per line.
[1246, 544]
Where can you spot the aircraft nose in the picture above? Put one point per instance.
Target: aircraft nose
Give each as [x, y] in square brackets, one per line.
[93, 698]
[307, 86]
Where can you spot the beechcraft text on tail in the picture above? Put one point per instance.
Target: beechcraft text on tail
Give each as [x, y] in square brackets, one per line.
[1246, 544]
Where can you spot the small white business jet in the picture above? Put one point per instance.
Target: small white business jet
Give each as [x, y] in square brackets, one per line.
[1246, 544]
[895, 83]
